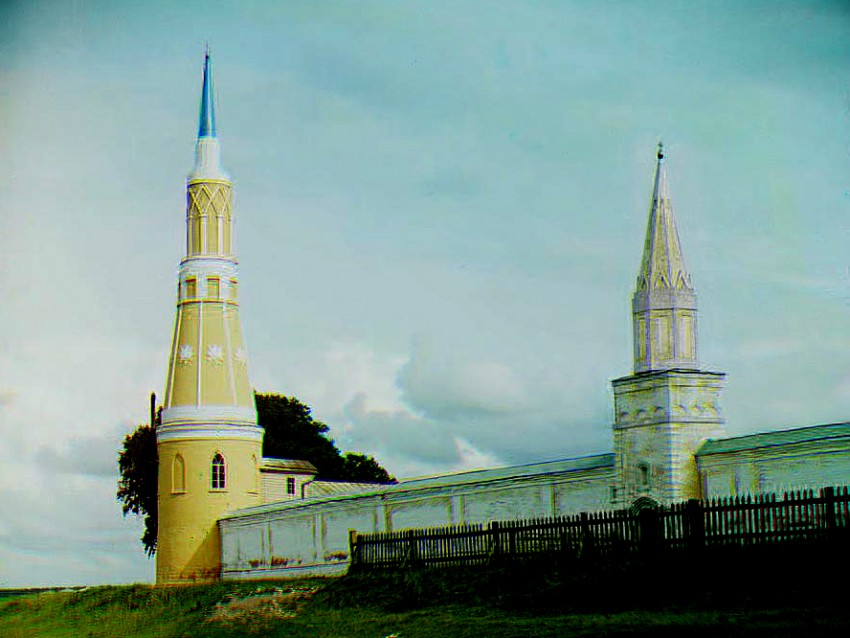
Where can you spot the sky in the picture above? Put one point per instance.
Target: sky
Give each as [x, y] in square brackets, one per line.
[440, 212]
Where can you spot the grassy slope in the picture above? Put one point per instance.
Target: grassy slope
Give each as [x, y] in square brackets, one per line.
[400, 606]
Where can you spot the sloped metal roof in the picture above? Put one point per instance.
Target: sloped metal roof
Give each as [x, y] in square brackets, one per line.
[775, 438]
[455, 479]
[326, 488]
[287, 465]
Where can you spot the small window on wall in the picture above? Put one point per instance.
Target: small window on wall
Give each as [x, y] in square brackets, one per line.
[191, 288]
[290, 485]
[218, 478]
[213, 287]
[643, 474]
[178, 475]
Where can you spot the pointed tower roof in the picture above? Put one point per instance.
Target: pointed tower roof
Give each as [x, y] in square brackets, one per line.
[207, 148]
[206, 128]
[663, 265]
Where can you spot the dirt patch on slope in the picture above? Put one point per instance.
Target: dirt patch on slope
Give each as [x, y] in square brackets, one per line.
[262, 605]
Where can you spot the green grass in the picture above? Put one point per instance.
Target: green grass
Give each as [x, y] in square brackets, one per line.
[375, 607]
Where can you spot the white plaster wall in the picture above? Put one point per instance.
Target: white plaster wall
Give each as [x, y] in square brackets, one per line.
[426, 512]
[293, 541]
[337, 521]
[583, 496]
[509, 502]
[311, 537]
[775, 469]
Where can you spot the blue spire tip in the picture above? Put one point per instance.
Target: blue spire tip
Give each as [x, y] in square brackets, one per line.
[206, 127]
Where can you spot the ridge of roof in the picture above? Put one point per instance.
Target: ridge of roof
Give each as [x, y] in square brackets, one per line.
[775, 438]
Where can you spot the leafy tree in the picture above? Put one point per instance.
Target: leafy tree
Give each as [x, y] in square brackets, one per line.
[290, 432]
[365, 469]
[139, 465]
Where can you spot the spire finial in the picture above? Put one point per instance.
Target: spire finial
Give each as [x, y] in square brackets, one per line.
[660, 154]
[206, 128]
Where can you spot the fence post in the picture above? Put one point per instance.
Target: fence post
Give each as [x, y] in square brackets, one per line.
[496, 549]
[411, 548]
[828, 495]
[353, 547]
[696, 525]
[648, 523]
[586, 537]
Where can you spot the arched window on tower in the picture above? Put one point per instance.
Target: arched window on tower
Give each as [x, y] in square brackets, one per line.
[178, 475]
[218, 478]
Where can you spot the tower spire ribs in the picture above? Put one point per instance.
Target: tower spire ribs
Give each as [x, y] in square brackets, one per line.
[664, 303]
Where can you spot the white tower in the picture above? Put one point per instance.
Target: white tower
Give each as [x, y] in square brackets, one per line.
[668, 407]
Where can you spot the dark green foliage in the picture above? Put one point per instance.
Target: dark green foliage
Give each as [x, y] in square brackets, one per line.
[138, 464]
[291, 433]
[364, 468]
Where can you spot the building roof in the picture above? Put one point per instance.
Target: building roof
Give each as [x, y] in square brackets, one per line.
[471, 477]
[592, 462]
[293, 466]
[206, 125]
[326, 488]
[663, 264]
[775, 438]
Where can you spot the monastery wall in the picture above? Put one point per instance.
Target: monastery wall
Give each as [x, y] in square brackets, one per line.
[311, 536]
[776, 466]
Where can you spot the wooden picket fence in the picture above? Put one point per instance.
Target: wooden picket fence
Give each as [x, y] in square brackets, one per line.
[800, 516]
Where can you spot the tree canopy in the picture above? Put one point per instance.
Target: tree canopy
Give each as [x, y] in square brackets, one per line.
[138, 465]
[291, 432]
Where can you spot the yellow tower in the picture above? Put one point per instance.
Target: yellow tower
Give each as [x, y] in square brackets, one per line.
[209, 443]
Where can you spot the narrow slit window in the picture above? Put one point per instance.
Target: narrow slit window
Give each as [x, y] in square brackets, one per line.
[219, 476]
[290, 485]
[643, 474]
[178, 475]
[191, 288]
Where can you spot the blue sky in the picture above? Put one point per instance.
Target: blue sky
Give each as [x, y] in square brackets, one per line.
[440, 213]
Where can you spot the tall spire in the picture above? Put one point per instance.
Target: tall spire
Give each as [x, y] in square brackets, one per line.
[663, 265]
[207, 147]
[206, 128]
[664, 303]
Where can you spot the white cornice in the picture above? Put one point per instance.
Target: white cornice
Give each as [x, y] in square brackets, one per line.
[209, 431]
[208, 267]
[209, 415]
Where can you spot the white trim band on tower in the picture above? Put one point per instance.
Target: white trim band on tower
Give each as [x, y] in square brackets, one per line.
[208, 161]
[209, 414]
[209, 431]
[202, 267]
